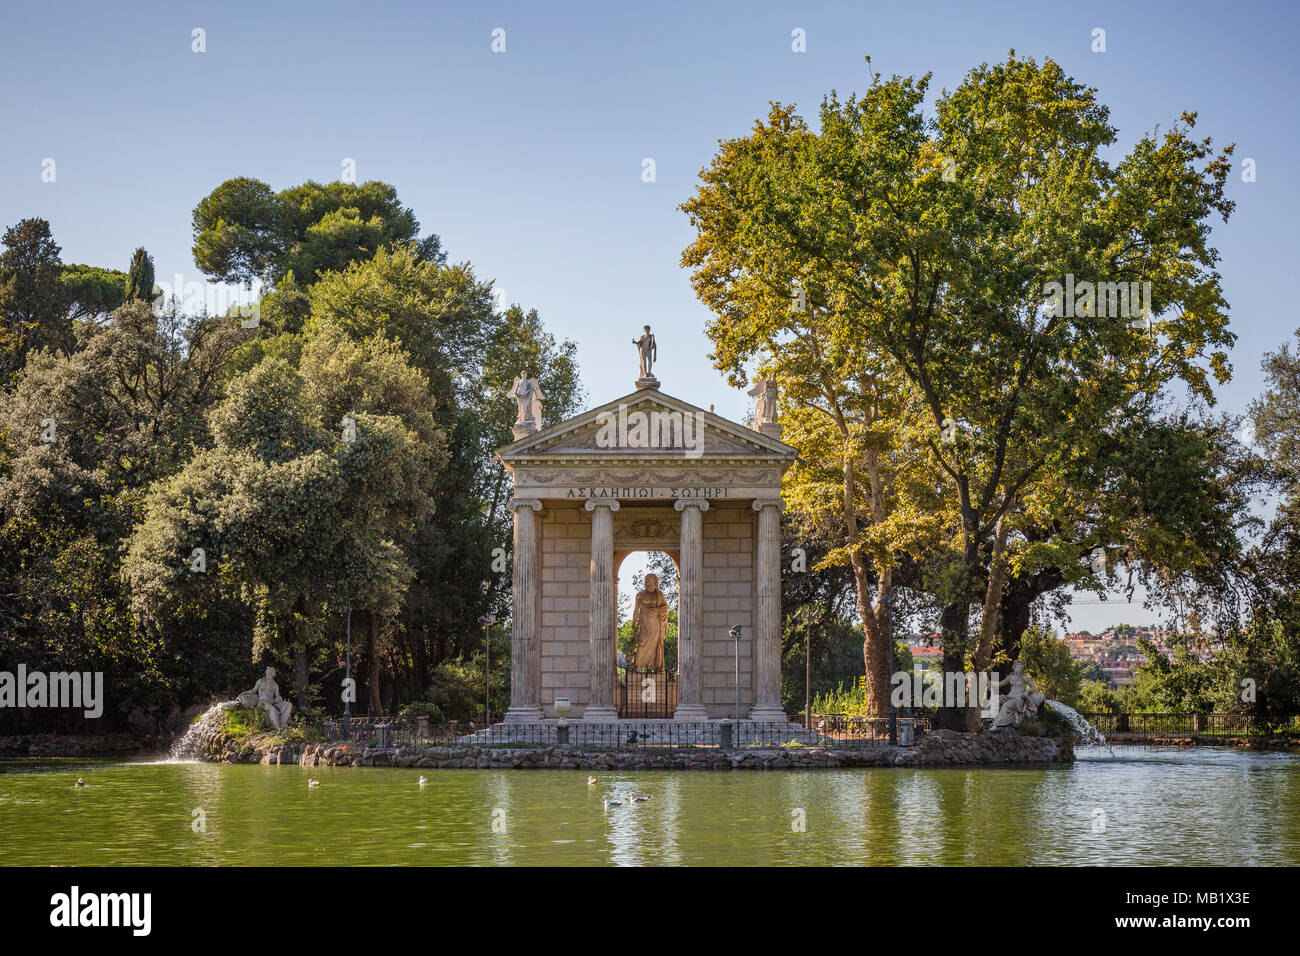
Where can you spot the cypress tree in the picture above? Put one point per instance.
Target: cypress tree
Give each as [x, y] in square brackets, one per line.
[139, 281]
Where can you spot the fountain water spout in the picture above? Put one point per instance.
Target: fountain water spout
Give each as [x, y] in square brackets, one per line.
[1084, 731]
[187, 748]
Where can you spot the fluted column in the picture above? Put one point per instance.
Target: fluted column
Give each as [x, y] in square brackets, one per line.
[525, 668]
[767, 613]
[690, 612]
[600, 700]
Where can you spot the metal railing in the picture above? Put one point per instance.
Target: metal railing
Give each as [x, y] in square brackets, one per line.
[625, 735]
[646, 695]
[1180, 725]
[854, 726]
[394, 732]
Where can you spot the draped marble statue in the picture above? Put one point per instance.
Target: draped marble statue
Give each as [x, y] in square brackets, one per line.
[266, 694]
[1022, 699]
[649, 625]
[764, 391]
[527, 393]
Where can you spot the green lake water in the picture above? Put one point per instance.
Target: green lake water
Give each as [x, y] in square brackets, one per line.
[1144, 806]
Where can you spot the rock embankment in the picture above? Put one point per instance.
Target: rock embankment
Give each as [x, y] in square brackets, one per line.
[944, 748]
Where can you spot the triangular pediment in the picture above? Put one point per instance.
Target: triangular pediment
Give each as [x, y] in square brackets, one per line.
[646, 425]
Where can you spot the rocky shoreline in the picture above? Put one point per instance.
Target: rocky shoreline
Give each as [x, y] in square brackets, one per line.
[944, 748]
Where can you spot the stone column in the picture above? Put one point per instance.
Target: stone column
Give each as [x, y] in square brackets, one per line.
[690, 613]
[602, 659]
[525, 643]
[767, 613]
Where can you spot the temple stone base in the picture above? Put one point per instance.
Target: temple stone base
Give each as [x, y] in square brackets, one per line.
[523, 715]
[768, 715]
[692, 713]
[597, 714]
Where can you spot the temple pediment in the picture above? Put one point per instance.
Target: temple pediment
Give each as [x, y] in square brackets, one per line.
[646, 427]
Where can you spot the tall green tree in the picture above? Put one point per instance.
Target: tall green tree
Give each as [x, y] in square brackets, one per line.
[470, 352]
[32, 313]
[91, 293]
[1275, 415]
[244, 231]
[936, 241]
[81, 436]
[1263, 655]
[315, 474]
[139, 279]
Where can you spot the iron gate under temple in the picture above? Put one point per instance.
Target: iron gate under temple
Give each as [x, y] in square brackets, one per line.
[646, 695]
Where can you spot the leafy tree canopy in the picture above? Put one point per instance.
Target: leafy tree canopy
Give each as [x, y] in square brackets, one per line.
[244, 231]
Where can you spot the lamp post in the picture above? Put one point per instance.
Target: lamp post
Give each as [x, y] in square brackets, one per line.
[807, 670]
[347, 682]
[889, 633]
[487, 620]
[562, 724]
[734, 633]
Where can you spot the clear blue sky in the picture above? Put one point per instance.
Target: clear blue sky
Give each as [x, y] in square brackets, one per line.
[528, 163]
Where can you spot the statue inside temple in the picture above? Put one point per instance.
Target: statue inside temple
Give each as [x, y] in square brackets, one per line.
[649, 625]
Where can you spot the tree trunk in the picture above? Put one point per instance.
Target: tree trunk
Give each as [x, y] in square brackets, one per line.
[300, 677]
[952, 631]
[1017, 598]
[877, 635]
[872, 595]
[992, 610]
[372, 655]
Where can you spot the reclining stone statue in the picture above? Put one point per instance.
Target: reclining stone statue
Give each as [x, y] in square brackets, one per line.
[266, 694]
[1021, 702]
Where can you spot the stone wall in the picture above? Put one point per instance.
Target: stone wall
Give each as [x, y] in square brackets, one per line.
[728, 582]
[728, 600]
[984, 749]
[565, 550]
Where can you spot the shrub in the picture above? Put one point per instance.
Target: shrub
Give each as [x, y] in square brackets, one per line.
[457, 688]
[246, 721]
[421, 708]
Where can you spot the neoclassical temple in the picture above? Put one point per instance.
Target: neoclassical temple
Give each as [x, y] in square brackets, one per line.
[646, 472]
